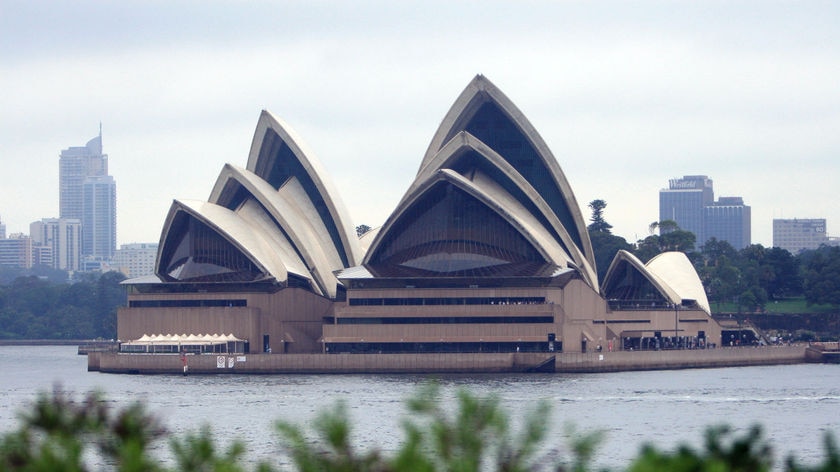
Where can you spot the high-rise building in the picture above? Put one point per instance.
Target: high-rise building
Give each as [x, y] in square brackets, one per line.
[99, 218]
[690, 202]
[16, 251]
[728, 219]
[42, 256]
[684, 201]
[88, 193]
[797, 235]
[2, 230]
[74, 166]
[135, 260]
[63, 237]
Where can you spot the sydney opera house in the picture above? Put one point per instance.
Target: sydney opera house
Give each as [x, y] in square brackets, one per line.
[487, 251]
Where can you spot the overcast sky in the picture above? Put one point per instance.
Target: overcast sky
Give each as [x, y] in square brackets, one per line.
[627, 94]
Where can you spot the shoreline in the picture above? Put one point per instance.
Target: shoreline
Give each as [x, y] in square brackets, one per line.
[51, 342]
[440, 363]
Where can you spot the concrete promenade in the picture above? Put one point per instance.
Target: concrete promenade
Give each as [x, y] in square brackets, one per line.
[110, 362]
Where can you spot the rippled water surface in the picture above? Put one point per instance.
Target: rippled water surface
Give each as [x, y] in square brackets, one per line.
[795, 404]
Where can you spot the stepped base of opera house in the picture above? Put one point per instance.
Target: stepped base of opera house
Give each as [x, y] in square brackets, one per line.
[110, 362]
[552, 314]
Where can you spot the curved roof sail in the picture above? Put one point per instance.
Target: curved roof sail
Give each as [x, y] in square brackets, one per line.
[668, 277]
[204, 242]
[469, 156]
[486, 113]
[288, 216]
[453, 226]
[278, 154]
[676, 269]
[627, 279]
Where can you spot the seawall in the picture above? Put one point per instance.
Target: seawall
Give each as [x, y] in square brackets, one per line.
[111, 362]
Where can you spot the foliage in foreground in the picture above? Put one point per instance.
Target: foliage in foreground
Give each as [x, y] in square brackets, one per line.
[59, 433]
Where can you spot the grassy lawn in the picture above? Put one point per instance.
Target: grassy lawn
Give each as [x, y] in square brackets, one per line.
[789, 305]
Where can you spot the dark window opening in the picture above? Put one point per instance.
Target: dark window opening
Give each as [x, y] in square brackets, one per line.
[447, 320]
[441, 347]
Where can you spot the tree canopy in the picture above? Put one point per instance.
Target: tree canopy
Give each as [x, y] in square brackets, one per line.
[821, 276]
[32, 307]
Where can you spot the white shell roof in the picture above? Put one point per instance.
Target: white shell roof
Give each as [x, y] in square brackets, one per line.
[315, 171]
[303, 241]
[279, 229]
[675, 268]
[670, 272]
[235, 230]
[463, 142]
[480, 91]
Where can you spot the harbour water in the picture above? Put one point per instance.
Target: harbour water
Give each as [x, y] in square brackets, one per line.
[795, 404]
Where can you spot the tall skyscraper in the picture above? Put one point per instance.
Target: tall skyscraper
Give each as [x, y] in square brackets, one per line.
[88, 193]
[690, 202]
[2, 229]
[99, 229]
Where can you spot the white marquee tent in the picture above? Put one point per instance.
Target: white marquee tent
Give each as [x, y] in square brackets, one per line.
[175, 343]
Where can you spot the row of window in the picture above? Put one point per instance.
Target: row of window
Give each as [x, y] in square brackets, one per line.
[446, 320]
[186, 303]
[393, 348]
[447, 301]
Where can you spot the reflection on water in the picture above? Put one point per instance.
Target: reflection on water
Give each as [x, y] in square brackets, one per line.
[795, 403]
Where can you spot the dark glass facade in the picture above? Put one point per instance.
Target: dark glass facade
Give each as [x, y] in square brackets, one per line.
[463, 347]
[201, 254]
[449, 232]
[629, 289]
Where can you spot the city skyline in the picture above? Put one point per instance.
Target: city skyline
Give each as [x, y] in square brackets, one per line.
[627, 96]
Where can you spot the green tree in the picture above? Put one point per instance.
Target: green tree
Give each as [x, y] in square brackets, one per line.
[821, 276]
[605, 246]
[599, 224]
[33, 307]
[774, 270]
[670, 238]
[664, 226]
[109, 296]
[716, 252]
[786, 280]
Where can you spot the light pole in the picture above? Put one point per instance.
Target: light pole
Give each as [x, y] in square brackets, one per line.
[676, 324]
